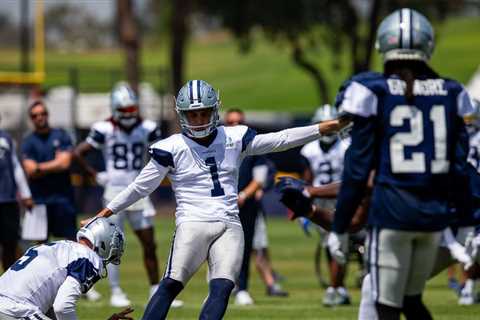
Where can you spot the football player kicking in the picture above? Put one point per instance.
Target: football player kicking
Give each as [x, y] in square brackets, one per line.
[123, 140]
[47, 281]
[202, 164]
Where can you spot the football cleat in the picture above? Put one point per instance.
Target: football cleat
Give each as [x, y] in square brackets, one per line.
[119, 299]
[243, 298]
[276, 291]
[92, 295]
[329, 299]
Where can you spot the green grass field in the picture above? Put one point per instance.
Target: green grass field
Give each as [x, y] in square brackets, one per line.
[292, 255]
[264, 79]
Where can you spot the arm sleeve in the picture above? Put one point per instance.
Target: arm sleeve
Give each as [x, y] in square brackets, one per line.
[65, 142]
[27, 150]
[66, 299]
[95, 138]
[20, 179]
[282, 140]
[359, 160]
[146, 182]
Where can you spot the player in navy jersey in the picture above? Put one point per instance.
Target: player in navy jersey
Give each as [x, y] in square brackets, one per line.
[408, 127]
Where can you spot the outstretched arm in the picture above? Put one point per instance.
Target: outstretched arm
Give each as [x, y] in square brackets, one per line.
[293, 137]
[146, 182]
[326, 191]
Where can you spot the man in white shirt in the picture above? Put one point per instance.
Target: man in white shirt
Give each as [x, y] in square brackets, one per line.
[202, 164]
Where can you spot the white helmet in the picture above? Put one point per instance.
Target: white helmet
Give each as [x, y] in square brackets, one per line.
[107, 239]
[124, 105]
[197, 95]
[325, 113]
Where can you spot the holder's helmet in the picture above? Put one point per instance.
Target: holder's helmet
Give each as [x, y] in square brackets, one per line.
[197, 95]
[107, 239]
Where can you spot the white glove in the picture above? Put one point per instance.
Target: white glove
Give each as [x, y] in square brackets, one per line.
[336, 243]
[102, 178]
[457, 251]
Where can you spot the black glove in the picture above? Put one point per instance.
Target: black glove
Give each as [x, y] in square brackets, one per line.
[294, 197]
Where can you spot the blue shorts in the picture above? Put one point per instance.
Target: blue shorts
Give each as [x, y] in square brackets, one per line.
[62, 220]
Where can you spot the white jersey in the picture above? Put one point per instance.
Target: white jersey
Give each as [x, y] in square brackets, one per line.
[124, 151]
[205, 178]
[327, 167]
[474, 153]
[31, 284]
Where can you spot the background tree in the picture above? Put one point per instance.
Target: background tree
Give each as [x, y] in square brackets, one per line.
[130, 39]
[181, 11]
[307, 26]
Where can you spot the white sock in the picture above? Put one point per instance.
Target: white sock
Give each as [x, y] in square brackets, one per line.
[367, 311]
[469, 287]
[113, 276]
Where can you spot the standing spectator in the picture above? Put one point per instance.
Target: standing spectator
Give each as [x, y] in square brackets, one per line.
[12, 182]
[251, 178]
[47, 156]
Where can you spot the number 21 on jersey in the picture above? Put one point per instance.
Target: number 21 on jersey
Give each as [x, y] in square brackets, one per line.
[417, 162]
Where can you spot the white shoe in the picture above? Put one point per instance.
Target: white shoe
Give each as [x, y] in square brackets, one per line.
[153, 289]
[177, 304]
[243, 298]
[119, 299]
[466, 299]
[93, 295]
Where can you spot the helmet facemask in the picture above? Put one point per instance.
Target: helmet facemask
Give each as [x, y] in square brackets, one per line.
[124, 105]
[126, 116]
[106, 238]
[193, 96]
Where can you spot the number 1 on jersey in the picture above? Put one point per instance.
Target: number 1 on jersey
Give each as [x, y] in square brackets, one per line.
[217, 188]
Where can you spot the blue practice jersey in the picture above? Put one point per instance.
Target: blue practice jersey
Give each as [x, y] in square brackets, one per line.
[418, 151]
[53, 187]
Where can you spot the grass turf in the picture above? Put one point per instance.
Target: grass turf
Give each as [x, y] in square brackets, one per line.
[292, 255]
